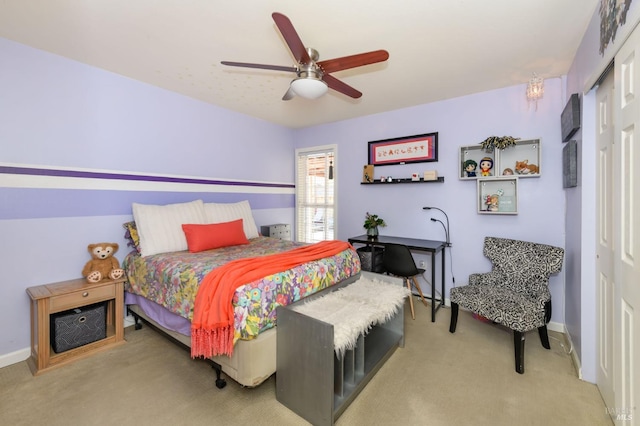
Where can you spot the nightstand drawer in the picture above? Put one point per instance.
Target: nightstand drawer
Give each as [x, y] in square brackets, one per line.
[279, 230]
[81, 298]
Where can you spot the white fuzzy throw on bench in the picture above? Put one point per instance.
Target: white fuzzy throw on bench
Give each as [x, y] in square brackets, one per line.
[354, 309]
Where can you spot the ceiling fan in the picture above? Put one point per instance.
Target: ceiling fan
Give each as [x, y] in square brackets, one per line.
[313, 76]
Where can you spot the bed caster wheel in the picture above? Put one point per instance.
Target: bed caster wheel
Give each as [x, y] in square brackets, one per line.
[220, 382]
[137, 324]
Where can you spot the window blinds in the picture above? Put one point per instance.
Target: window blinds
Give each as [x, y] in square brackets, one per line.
[315, 203]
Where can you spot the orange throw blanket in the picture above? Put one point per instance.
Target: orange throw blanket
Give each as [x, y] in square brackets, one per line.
[213, 315]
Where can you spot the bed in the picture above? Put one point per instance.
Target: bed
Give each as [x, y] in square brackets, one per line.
[161, 288]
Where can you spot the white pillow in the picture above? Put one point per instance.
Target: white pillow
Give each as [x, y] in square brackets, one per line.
[226, 212]
[160, 227]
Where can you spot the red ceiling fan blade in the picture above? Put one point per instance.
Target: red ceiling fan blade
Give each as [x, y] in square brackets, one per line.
[260, 66]
[353, 61]
[291, 37]
[341, 87]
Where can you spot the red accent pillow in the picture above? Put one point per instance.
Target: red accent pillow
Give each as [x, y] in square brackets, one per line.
[214, 235]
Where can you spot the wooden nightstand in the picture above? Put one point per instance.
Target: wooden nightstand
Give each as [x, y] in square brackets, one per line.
[57, 297]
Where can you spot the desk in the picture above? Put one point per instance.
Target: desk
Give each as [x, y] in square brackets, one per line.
[429, 246]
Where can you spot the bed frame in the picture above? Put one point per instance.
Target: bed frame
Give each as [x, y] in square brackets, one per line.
[252, 362]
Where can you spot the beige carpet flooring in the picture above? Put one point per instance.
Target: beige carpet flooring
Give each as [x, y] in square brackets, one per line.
[438, 378]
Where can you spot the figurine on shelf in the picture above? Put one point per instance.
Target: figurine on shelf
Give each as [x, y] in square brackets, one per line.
[493, 202]
[507, 172]
[486, 164]
[524, 168]
[470, 168]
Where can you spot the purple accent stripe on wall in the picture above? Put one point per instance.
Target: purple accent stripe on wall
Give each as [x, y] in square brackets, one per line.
[28, 203]
[124, 176]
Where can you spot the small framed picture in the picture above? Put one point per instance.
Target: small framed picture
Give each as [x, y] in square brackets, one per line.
[367, 173]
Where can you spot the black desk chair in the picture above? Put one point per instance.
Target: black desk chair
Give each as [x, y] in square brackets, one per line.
[397, 260]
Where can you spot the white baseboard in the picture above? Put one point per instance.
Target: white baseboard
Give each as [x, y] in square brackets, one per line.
[574, 355]
[22, 354]
[557, 327]
[14, 357]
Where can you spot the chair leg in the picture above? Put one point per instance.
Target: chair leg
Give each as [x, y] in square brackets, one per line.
[415, 283]
[454, 318]
[547, 311]
[544, 337]
[518, 344]
[413, 314]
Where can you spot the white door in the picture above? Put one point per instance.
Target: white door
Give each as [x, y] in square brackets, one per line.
[626, 219]
[605, 375]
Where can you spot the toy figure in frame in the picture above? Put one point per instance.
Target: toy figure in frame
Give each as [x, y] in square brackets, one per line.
[470, 168]
[493, 205]
[491, 201]
[486, 164]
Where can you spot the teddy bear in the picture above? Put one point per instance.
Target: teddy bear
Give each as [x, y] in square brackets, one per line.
[102, 264]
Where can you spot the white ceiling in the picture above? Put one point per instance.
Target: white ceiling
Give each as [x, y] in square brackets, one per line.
[438, 49]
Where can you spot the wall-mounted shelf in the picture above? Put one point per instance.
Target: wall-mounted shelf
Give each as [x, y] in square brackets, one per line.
[440, 179]
[504, 160]
[498, 195]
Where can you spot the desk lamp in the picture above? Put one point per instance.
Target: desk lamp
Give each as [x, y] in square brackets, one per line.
[446, 228]
[446, 231]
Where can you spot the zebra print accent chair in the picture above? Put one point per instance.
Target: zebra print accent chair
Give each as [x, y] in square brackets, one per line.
[516, 291]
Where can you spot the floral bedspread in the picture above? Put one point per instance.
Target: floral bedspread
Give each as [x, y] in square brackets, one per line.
[172, 280]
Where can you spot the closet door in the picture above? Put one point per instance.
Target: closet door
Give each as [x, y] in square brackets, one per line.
[605, 283]
[626, 262]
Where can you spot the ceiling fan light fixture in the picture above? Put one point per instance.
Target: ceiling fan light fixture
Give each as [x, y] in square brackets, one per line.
[309, 87]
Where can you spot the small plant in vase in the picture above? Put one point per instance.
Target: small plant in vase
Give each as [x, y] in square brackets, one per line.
[371, 224]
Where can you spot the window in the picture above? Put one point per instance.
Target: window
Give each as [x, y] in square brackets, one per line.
[315, 203]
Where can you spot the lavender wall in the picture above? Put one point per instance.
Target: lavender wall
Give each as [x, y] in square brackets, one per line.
[459, 122]
[78, 145]
[62, 115]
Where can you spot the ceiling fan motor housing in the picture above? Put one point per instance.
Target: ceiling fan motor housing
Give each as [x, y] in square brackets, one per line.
[313, 54]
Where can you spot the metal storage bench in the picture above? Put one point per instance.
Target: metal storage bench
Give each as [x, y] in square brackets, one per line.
[312, 379]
